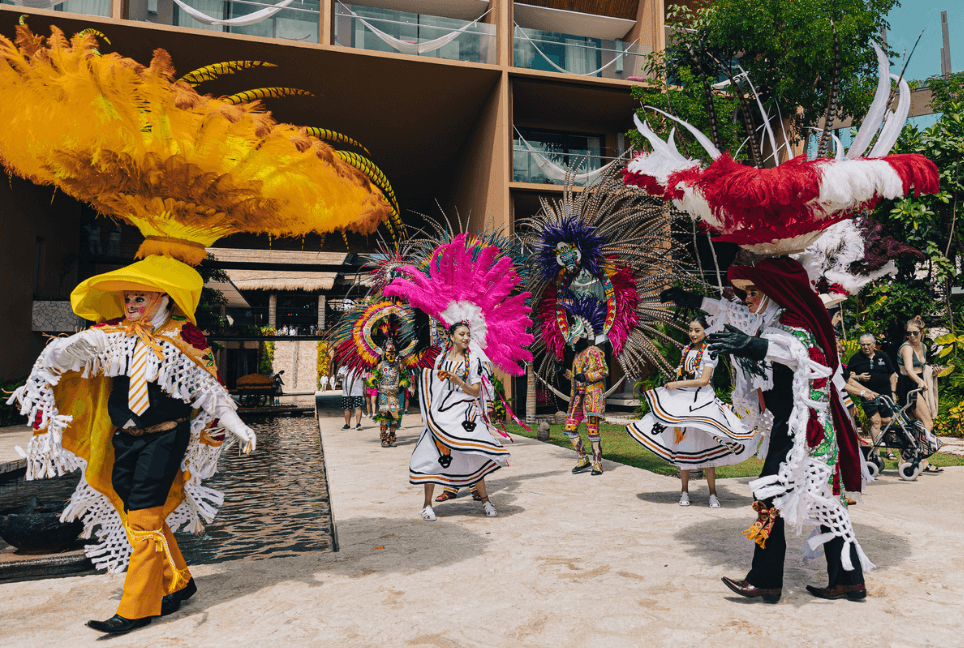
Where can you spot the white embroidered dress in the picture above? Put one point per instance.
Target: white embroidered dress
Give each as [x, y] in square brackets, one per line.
[455, 447]
[712, 435]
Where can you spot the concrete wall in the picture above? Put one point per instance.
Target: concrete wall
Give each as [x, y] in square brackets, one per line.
[30, 222]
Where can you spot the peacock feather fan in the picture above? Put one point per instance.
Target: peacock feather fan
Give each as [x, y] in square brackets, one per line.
[185, 168]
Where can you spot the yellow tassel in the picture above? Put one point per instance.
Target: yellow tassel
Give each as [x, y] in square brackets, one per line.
[680, 433]
[759, 532]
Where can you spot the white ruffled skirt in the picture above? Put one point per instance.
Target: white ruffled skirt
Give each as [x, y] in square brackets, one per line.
[455, 447]
[712, 434]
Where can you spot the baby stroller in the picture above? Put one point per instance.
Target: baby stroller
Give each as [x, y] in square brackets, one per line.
[905, 435]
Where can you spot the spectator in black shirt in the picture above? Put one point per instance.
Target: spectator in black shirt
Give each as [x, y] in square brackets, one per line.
[871, 374]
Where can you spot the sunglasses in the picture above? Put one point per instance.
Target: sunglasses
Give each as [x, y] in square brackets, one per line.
[913, 333]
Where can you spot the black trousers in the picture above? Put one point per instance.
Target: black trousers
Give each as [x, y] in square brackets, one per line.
[145, 466]
[767, 569]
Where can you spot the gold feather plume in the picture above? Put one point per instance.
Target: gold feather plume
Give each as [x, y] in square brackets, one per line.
[265, 93]
[211, 72]
[371, 171]
[186, 169]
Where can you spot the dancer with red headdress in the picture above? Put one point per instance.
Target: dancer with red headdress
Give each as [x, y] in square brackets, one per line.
[783, 340]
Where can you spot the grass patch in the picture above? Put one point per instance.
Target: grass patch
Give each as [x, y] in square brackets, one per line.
[619, 446]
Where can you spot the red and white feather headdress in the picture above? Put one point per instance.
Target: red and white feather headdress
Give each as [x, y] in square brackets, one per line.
[782, 210]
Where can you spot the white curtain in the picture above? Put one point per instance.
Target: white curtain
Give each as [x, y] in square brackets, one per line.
[619, 57]
[406, 47]
[87, 7]
[249, 19]
[577, 56]
[556, 172]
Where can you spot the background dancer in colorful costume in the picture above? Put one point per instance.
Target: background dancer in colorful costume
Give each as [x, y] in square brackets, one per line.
[468, 287]
[812, 452]
[390, 379]
[600, 259]
[136, 402]
[687, 425]
[587, 398]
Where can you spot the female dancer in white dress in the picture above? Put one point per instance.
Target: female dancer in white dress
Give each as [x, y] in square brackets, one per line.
[687, 425]
[455, 448]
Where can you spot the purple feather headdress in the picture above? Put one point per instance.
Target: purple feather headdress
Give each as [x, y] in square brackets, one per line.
[570, 231]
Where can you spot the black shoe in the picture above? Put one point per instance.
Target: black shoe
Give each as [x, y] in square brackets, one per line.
[172, 602]
[850, 592]
[596, 469]
[743, 588]
[346, 427]
[118, 625]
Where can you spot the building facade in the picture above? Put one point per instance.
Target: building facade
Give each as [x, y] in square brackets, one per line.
[472, 106]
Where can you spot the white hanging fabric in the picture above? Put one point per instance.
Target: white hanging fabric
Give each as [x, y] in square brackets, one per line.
[415, 48]
[552, 170]
[38, 4]
[250, 19]
[569, 47]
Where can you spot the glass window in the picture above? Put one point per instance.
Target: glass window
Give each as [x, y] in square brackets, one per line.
[542, 156]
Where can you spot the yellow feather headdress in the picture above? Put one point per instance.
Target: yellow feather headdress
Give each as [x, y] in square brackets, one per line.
[186, 169]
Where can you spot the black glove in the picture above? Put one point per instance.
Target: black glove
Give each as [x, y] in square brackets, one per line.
[580, 377]
[682, 298]
[560, 369]
[732, 341]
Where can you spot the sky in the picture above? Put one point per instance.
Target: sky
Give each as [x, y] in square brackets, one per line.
[907, 21]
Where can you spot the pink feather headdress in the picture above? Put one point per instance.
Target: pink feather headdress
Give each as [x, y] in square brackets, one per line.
[466, 283]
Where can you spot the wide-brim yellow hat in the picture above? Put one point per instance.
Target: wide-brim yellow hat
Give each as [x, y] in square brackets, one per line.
[102, 297]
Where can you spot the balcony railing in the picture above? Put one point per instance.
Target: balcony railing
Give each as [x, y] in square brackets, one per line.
[298, 21]
[87, 7]
[549, 167]
[565, 53]
[383, 30]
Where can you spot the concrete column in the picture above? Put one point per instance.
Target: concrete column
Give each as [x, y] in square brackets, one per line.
[273, 311]
[326, 22]
[321, 313]
[530, 395]
[117, 10]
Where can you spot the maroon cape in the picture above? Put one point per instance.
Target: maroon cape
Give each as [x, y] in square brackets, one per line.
[784, 280]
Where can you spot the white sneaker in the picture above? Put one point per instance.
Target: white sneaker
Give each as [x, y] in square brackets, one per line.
[684, 499]
[428, 514]
[714, 501]
[490, 510]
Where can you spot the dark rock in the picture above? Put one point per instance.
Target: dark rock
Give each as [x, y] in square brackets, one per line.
[543, 433]
[35, 527]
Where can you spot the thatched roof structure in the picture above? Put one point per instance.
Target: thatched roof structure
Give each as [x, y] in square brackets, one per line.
[280, 280]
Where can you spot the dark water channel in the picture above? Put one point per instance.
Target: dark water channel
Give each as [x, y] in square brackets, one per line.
[275, 501]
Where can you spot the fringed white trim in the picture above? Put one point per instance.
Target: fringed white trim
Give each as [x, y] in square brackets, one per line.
[178, 376]
[801, 489]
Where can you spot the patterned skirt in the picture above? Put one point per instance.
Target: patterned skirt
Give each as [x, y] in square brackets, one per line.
[692, 429]
[455, 447]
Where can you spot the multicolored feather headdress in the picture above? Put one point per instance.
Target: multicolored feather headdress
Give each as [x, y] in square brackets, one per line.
[784, 209]
[600, 259]
[475, 284]
[186, 169]
[361, 335]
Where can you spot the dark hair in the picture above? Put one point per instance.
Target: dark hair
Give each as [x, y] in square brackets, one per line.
[451, 329]
[702, 320]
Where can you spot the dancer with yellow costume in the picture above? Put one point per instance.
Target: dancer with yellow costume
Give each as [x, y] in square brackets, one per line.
[136, 401]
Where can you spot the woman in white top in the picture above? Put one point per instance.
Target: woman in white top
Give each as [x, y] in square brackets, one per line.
[687, 425]
[455, 448]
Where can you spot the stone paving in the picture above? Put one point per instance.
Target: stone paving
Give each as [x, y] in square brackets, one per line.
[571, 561]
